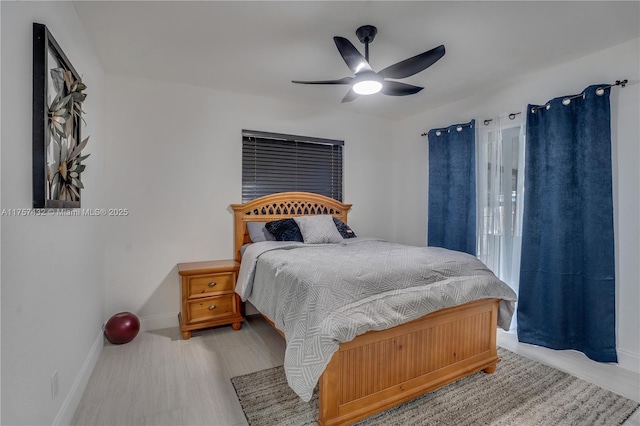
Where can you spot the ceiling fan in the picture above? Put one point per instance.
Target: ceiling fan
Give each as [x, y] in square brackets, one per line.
[367, 81]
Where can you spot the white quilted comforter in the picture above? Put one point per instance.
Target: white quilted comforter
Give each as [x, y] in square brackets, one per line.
[323, 294]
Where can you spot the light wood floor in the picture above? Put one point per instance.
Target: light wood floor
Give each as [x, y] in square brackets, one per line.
[160, 379]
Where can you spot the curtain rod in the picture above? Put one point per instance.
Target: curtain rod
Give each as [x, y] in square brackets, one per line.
[565, 101]
[459, 128]
[511, 116]
[599, 91]
[486, 122]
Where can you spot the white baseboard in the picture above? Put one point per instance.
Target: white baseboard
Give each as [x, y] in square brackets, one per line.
[70, 404]
[159, 321]
[629, 360]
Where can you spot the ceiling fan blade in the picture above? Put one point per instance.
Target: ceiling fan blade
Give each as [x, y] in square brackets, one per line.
[346, 80]
[413, 65]
[354, 60]
[351, 95]
[395, 88]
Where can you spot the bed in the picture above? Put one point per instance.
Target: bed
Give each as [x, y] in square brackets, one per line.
[380, 369]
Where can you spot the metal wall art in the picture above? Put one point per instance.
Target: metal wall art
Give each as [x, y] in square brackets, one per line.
[57, 115]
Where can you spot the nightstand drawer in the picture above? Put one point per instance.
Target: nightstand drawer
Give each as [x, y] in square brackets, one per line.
[205, 285]
[211, 308]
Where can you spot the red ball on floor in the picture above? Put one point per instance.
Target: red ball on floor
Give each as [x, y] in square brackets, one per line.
[122, 328]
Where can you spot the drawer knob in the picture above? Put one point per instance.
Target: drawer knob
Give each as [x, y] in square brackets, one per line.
[212, 307]
[212, 284]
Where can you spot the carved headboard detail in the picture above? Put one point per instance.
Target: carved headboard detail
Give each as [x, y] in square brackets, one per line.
[296, 207]
[280, 206]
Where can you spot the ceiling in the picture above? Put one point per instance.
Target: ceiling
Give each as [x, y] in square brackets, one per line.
[259, 47]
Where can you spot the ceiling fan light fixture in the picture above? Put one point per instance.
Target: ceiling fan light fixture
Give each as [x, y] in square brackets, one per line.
[367, 87]
[367, 83]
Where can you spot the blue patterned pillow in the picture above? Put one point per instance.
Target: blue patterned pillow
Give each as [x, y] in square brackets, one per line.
[344, 229]
[285, 230]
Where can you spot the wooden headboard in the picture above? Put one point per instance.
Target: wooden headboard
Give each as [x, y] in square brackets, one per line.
[280, 206]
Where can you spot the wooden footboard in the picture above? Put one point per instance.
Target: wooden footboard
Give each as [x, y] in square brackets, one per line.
[381, 369]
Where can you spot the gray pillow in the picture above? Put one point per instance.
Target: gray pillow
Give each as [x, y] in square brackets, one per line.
[318, 229]
[258, 232]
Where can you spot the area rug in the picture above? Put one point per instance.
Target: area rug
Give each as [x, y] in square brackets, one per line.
[521, 392]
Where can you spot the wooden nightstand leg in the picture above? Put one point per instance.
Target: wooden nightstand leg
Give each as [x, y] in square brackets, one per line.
[186, 335]
[236, 326]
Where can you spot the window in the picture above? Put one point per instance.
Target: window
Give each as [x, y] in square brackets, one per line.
[273, 162]
[500, 166]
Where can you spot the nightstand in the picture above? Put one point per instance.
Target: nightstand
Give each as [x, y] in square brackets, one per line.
[208, 295]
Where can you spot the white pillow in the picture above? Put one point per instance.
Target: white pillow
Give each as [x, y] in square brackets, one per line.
[318, 229]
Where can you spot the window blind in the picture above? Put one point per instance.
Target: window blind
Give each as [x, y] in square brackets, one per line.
[273, 162]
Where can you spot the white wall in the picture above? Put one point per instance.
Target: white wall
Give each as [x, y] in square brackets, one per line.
[410, 161]
[52, 267]
[174, 160]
